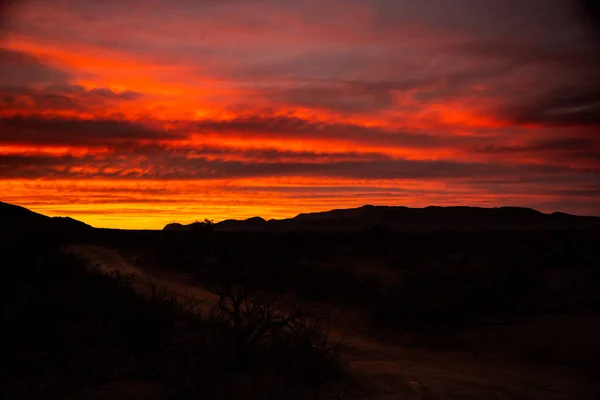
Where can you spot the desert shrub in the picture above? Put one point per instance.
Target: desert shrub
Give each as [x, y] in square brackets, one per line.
[255, 332]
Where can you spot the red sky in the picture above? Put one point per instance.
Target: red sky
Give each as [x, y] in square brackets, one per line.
[134, 114]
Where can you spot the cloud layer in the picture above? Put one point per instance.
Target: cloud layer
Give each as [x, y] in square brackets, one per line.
[190, 109]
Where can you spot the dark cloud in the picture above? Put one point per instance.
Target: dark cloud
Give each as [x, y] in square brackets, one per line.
[344, 97]
[297, 128]
[32, 167]
[588, 193]
[582, 151]
[19, 69]
[575, 143]
[61, 98]
[27, 83]
[258, 154]
[523, 53]
[27, 100]
[169, 166]
[480, 18]
[570, 106]
[74, 131]
[363, 96]
[37, 130]
[110, 95]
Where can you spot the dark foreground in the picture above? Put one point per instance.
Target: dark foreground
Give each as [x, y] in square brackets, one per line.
[503, 314]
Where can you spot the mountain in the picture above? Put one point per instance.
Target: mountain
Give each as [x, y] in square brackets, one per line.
[402, 218]
[13, 218]
[176, 227]
[250, 224]
[247, 224]
[399, 218]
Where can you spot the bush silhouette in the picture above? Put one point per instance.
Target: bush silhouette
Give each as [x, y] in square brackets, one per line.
[252, 322]
[205, 226]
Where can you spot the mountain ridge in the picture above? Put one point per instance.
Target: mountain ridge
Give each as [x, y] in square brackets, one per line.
[367, 217]
[14, 217]
[406, 218]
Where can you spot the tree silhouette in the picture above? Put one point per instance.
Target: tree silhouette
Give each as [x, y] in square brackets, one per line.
[205, 226]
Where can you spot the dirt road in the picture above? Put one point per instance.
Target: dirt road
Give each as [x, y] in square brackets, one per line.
[391, 371]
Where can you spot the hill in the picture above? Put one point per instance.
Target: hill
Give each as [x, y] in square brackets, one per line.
[17, 218]
[400, 218]
[250, 224]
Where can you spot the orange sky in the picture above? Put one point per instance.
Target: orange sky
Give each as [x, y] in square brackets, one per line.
[136, 114]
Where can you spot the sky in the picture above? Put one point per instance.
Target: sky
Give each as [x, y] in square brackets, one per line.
[135, 114]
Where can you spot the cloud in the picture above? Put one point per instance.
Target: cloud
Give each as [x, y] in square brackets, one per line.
[568, 106]
[576, 143]
[33, 167]
[287, 127]
[18, 69]
[465, 101]
[31, 130]
[55, 98]
[175, 166]
[343, 97]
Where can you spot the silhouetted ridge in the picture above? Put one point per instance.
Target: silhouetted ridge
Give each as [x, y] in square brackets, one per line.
[403, 218]
[13, 217]
[175, 227]
[14, 211]
[253, 223]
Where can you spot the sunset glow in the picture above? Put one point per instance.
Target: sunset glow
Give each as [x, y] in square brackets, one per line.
[134, 114]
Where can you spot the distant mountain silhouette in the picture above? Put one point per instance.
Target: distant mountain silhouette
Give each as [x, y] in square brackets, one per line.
[176, 227]
[398, 218]
[411, 219]
[247, 224]
[254, 223]
[14, 217]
